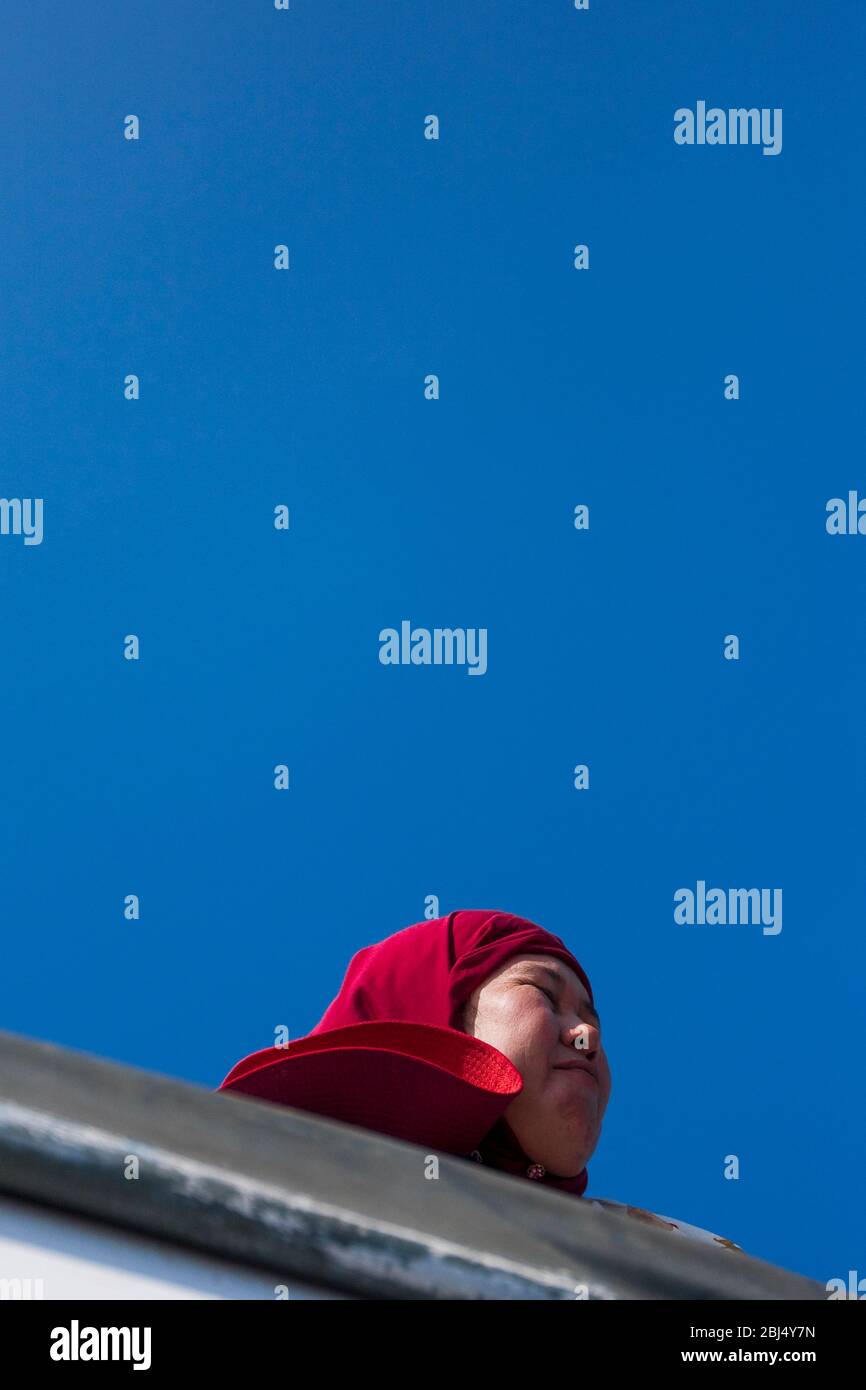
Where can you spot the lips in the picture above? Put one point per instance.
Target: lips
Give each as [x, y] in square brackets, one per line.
[578, 1066]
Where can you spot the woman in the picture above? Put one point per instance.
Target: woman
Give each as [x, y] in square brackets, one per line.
[475, 1034]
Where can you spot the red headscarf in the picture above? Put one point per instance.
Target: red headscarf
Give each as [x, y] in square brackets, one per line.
[425, 974]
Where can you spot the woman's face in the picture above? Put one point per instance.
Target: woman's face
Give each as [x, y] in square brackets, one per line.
[532, 1009]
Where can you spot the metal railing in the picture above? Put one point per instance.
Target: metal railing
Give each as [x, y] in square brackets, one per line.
[341, 1208]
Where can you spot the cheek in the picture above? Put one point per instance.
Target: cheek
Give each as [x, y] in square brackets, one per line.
[538, 1035]
[526, 1034]
[604, 1078]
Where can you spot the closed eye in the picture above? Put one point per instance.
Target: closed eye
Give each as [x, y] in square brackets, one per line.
[550, 996]
[593, 1017]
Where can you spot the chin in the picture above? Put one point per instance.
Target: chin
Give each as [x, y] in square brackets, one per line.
[573, 1154]
[566, 1154]
[563, 1138]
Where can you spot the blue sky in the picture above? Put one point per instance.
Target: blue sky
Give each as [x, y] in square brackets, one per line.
[558, 387]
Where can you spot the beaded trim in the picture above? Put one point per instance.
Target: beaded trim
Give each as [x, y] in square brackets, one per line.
[535, 1170]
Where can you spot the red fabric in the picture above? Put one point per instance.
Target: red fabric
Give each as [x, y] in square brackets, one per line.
[425, 974]
[410, 1080]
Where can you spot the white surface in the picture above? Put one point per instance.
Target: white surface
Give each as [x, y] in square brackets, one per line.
[75, 1258]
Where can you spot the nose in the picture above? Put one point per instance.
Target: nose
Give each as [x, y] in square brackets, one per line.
[584, 1037]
